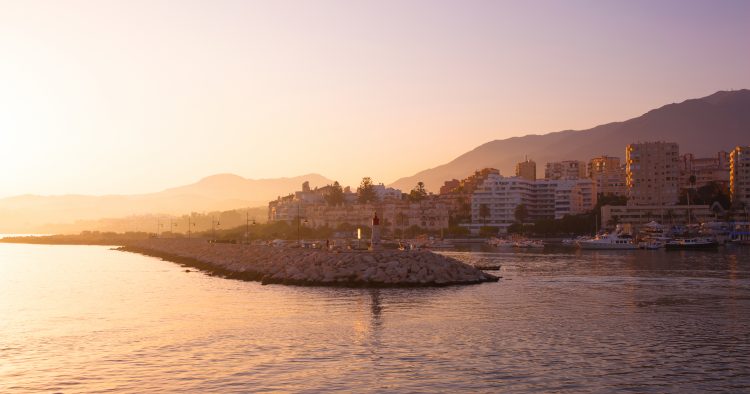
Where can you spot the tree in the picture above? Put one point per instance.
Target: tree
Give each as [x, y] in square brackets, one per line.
[521, 213]
[484, 212]
[336, 194]
[366, 191]
[418, 193]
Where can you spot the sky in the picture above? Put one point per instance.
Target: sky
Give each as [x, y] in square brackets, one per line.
[124, 97]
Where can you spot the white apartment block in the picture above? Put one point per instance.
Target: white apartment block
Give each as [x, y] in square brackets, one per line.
[544, 198]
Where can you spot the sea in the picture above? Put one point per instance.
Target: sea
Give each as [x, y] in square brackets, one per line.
[90, 319]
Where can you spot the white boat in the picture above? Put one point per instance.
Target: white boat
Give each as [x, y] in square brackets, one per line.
[500, 243]
[529, 244]
[611, 241]
[651, 244]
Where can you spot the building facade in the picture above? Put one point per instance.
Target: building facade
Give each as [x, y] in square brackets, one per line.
[567, 169]
[495, 202]
[638, 215]
[704, 169]
[526, 170]
[739, 176]
[608, 175]
[312, 209]
[653, 173]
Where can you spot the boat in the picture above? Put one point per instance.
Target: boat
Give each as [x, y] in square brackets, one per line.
[529, 244]
[740, 235]
[651, 244]
[500, 243]
[692, 243]
[573, 242]
[616, 240]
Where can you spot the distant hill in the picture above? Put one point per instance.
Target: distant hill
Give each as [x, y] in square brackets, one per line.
[32, 213]
[701, 126]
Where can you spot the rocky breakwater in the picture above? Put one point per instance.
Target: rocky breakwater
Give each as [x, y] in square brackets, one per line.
[312, 267]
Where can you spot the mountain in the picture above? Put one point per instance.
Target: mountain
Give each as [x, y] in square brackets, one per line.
[32, 213]
[701, 126]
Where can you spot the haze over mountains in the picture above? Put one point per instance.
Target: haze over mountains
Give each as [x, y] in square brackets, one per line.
[701, 126]
[31, 213]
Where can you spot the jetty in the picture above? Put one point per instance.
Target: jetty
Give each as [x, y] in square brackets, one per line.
[314, 267]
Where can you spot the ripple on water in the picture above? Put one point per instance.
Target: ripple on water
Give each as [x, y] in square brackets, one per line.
[88, 319]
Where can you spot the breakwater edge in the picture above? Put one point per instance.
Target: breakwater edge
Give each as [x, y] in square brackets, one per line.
[314, 267]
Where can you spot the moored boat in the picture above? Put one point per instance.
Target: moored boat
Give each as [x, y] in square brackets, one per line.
[692, 243]
[611, 241]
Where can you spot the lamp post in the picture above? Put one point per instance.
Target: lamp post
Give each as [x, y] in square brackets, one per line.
[172, 225]
[214, 223]
[190, 226]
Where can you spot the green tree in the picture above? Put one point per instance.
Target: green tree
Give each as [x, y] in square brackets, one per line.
[366, 191]
[336, 194]
[521, 213]
[484, 212]
[418, 193]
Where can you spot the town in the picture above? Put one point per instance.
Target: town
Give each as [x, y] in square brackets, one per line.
[655, 187]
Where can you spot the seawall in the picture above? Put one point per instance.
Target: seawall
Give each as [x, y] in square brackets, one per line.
[313, 267]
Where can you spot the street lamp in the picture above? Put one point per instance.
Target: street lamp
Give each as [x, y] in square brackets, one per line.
[190, 225]
[172, 225]
[214, 224]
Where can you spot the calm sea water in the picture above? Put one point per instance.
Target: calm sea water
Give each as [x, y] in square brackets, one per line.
[90, 319]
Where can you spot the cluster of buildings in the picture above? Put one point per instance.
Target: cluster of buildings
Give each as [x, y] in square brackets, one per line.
[397, 213]
[651, 178]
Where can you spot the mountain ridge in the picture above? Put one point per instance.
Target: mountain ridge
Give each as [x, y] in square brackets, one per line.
[30, 212]
[702, 126]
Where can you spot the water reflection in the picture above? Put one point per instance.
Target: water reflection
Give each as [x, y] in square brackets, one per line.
[91, 319]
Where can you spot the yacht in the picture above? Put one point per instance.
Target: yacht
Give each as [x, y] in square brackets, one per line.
[614, 241]
[692, 243]
[529, 244]
[740, 235]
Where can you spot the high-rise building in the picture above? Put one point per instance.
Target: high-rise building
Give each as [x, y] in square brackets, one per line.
[653, 173]
[739, 176]
[608, 175]
[704, 169]
[567, 169]
[526, 170]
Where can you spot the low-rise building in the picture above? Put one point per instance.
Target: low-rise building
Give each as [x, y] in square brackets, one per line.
[311, 208]
[638, 215]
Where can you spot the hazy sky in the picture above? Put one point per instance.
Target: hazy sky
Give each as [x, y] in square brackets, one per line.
[135, 96]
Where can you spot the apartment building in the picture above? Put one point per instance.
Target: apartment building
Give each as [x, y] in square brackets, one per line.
[526, 170]
[739, 176]
[494, 203]
[608, 175]
[653, 173]
[566, 169]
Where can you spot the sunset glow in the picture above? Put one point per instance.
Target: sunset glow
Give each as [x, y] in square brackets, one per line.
[95, 96]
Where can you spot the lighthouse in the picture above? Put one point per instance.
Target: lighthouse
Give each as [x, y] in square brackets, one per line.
[375, 239]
